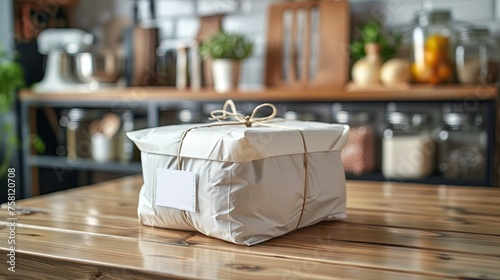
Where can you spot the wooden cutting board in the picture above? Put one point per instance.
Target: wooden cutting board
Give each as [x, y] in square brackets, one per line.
[307, 43]
[209, 25]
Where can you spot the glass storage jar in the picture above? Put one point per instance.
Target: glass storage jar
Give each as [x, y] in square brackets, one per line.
[303, 116]
[433, 47]
[462, 146]
[408, 150]
[358, 156]
[76, 121]
[173, 116]
[477, 56]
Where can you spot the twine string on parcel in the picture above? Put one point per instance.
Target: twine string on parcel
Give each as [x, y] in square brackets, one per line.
[306, 179]
[222, 115]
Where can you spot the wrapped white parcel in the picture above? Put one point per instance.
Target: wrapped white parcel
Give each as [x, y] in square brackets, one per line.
[242, 184]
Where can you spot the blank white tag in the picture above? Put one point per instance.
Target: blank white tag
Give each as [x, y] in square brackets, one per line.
[176, 189]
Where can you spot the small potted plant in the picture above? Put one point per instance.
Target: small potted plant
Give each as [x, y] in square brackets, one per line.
[226, 51]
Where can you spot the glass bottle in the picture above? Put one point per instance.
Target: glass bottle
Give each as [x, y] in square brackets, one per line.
[408, 149]
[358, 156]
[432, 41]
[125, 146]
[462, 146]
[477, 56]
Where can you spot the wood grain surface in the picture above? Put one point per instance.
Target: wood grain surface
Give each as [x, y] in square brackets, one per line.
[331, 47]
[125, 96]
[393, 231]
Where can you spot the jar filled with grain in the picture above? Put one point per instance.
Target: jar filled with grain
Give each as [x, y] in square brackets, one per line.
[408, 150]
[477, 56]
[462, 146]
[358, 156]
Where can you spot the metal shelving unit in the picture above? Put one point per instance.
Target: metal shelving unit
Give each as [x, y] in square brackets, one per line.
[152, 99]
[83, 164]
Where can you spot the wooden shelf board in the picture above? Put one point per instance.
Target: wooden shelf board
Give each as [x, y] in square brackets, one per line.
[138, 94]
[427, 91]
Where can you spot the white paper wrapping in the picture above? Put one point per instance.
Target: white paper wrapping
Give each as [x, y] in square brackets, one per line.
[250, 181]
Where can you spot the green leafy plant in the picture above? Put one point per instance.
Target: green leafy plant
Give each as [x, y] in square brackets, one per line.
[11, 78]
[372, 32]
[226, 45]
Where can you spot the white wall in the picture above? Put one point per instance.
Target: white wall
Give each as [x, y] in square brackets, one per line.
[178, 19]
[6, 27]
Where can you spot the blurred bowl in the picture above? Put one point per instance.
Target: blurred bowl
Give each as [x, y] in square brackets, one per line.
[104, 67]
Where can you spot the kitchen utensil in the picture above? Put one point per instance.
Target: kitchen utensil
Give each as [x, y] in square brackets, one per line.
[209, 25]
[144, 56]
[324, 24]
[102, 67]
[110, 124]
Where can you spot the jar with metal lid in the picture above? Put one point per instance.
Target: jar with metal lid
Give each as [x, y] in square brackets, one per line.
[358, 156]
[303, 116]
[477, 56]
[189, 116]
[408, 150]
[433, 47]
[462, 146]
[76, 122]
[180, 116]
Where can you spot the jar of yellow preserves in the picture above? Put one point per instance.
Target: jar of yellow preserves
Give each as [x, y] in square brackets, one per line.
[433, 47]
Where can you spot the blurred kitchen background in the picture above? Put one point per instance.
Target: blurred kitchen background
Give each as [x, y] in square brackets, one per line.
[179, 20]
[177, 23]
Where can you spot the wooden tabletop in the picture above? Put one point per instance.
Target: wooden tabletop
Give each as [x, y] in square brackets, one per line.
[393, 231]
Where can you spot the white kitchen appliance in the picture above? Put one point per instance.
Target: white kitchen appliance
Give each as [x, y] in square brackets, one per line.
[57, 44]
[73, 64]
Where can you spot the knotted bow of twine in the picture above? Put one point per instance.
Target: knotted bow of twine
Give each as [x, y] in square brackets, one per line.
[221, 115]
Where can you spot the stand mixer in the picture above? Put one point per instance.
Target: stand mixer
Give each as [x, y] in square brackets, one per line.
[70, 66]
